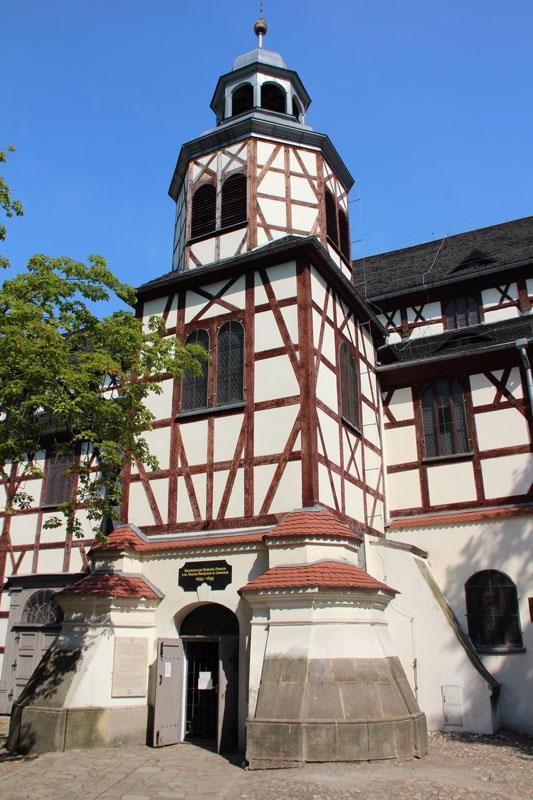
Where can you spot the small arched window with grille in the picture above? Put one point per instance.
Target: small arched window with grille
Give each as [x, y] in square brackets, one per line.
[42, 609]
[194, 387]
[234, 206]
[242, 99]
[331, 219]
[344, 235]
[230, 363]
[273, 98]
[349, 386]
[460, 312]
[204, 210]
[492, 611]
[444, 419]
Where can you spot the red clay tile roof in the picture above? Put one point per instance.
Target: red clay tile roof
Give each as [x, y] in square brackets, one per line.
[325, 575]
[477, 515]
[126, 538]
[312, 523]
[111, 585]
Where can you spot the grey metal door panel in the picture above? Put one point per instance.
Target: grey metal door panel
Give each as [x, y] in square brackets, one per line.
[168, 693]
[228, 683]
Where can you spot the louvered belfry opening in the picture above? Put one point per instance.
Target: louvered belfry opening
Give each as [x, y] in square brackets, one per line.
[273, 98]
[204, 204]
[344, 235]
[331, 219]
[242, 99]
[234, 206]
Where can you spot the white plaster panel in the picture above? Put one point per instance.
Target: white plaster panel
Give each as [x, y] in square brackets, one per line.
[234, 293]
[403, 490]
[328, 348]
[431, 311]
[272, 428]
[227, 431]
[139, 507]
[161, 404]
[304, 219]
[283, 280]
[451, 483]
[318, 288]
[290, 317]
[396, 319]
[194, 304]
[370, 426]
[194, 437]
[501, 313]
[267, 334]
[273, 184]
[235, 506]
[309, 161]
[231, 243]
[354, 501]
[507, 476]
[492, 297]
[23, 529]
[274, 212]
[330, 434]
[154, 308]
[274, 377]
[203, 251]
[326, 387]
[351, 444]
[159, 487]
[47, 561]
[401, 445]
[76, 560]
[329, 487]
[294, 164]
[264, 151]
[302, 190]
[502, 427]
[289, 492]
[394, 337]
[401, 404]
[483, 390]
[262, 238]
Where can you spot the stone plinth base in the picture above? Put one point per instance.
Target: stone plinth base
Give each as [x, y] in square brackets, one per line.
[345, 709]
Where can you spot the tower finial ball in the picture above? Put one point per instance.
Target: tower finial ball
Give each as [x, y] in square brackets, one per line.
[260, 27]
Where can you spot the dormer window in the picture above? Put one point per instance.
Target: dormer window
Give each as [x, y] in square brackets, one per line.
[461, 312]
[273, 98]
[242, 99]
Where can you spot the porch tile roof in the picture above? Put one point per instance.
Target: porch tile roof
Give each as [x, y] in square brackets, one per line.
[112, 585]
[461, 517]
[312, 522]
[323, 575]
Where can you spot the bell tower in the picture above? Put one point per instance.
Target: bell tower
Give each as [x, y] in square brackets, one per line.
[262, 173]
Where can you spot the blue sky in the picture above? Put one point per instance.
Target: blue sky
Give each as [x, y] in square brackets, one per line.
[428, 104]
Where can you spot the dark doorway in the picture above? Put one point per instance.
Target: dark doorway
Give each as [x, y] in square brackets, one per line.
[202, 691]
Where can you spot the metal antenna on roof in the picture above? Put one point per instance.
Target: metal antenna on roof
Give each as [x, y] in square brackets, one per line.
[260, 27]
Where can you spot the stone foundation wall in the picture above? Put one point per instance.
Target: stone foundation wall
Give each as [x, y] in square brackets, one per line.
[344, 709]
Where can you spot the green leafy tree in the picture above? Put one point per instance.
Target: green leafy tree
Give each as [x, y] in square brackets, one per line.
[77, 382]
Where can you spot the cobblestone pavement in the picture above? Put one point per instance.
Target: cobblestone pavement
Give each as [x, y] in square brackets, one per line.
[458, 767]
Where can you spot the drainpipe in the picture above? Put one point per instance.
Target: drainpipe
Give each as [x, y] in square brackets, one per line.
[521, 345]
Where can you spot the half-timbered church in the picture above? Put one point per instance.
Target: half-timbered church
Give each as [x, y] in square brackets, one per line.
[334, 553]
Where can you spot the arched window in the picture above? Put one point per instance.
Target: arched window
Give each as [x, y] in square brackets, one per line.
[444, 419]
[331, 219]
[204, 204]
[273, 98]
[234, 209]
[242, 99]
[344, 235]
[42, 609]
[230, 363]
[58, 484]
[461, 312]
[349, 382]
[296, 109]
[492, 611]
[194, 387]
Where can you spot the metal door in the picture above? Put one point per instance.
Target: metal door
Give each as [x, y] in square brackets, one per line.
[168, 692]
[202, 690]
[228, 683]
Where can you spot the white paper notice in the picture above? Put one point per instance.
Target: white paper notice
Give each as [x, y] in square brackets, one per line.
[205, 681]
[168, 669]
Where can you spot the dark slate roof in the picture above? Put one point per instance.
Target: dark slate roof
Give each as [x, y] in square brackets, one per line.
[462, 256]
[459, 342]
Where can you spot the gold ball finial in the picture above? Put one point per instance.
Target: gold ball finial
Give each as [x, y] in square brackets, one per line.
[260, 27]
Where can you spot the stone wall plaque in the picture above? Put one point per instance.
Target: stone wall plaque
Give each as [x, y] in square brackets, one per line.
[130, 667]
[217, 575]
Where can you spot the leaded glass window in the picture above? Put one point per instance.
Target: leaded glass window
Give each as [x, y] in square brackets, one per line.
[461, 312]
[492, 610]
[58, 483]
[42, 609]
[194, 387]
[230, 365]
[444, 419]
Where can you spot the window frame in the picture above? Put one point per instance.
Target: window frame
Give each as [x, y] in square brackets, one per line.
[349, 387]
[451, 312]
[192, 383]
[448, 419]
[493, 613]
[57, 487]
[235, 328]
